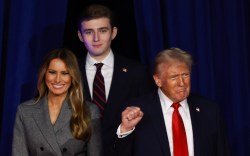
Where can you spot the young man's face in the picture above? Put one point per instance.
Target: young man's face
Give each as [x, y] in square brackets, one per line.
[97, 34]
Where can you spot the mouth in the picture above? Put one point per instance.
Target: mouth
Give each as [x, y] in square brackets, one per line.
[181, 90]
[97, 46]
[57, 86]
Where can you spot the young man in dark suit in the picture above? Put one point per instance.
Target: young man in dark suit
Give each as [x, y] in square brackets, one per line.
[153, 126]
[124, 79]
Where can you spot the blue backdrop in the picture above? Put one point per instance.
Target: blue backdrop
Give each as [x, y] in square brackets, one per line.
[216, 32]
[29, 29]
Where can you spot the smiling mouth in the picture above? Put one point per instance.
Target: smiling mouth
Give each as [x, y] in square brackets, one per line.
[57, 86]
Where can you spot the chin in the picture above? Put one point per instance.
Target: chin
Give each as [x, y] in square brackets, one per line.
[183, 97]
[58, 93]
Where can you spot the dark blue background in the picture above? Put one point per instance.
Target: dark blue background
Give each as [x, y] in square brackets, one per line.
[215, 32]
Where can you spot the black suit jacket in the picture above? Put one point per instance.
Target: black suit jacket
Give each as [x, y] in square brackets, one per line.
[130, 79]
[150, 136]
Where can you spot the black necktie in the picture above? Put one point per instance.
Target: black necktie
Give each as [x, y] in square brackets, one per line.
[99, 97]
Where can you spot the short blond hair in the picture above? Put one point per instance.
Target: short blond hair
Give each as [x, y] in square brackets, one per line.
[170, 55]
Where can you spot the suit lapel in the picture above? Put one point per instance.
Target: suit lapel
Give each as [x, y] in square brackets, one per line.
[64, 117]
[118, 78]
[82, 64]
[159, 126]
[116, 89]
[195, 118]
[86, 86]
[43, 122]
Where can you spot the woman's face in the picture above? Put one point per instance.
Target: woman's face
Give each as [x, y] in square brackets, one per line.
[57, 78]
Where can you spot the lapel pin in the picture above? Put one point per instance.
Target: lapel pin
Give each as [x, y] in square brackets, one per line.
[197, 109]
[124, 70]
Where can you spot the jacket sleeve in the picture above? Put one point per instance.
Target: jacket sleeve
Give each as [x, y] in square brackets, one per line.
[95, 142]
[124, 146]
[19, 145]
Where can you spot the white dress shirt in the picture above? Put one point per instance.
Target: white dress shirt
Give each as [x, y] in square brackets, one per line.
[185, 114]
[107, 71]
[167, 114]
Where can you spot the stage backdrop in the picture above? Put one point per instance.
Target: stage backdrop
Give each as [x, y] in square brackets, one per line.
[216, 32]
[29, 29]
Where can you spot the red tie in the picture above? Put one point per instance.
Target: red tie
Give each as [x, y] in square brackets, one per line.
[99, 97]
[179, 134]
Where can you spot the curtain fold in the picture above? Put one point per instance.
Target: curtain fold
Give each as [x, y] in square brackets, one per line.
[215, 32]
[31, 29]
[151, 28]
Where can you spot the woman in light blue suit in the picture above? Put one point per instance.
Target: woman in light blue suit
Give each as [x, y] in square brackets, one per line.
[58, 121]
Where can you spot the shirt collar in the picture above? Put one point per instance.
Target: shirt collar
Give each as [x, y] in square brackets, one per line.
[166, 102]
[107, 61]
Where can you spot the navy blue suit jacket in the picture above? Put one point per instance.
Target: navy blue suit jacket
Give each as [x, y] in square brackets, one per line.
[150, 136]
[130, 79]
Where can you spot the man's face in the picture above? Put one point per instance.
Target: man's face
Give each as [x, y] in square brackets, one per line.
[97, 34]
[174, 80]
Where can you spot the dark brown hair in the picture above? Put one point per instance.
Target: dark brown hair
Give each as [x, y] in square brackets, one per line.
[80, 119]
[95, 11]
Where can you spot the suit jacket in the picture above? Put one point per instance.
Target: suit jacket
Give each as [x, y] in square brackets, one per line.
[150, 135]
[130, 79]
[35, 135]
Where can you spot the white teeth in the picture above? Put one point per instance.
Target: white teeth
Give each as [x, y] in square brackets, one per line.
[57, 86]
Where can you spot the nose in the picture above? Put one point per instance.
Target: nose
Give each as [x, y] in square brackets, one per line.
[96, 36]
[181, 81]
[58, 78]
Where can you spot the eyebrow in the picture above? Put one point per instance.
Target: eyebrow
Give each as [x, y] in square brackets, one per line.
[90, 29]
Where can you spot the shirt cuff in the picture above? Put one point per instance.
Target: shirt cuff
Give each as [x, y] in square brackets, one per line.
[122, 135]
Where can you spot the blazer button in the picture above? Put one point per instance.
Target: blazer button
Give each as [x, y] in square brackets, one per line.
[41, 148]
[64, 149]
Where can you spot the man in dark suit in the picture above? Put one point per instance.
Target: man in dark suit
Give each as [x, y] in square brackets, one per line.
[148, 125]
[123, 78]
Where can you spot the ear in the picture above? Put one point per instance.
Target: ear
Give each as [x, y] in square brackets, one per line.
[80, 35]
[157, 80]
[114, 32]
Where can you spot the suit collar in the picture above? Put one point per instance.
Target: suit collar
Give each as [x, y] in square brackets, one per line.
[108, 60]
[82, 64]
[160, 129]
[43, 122]
[167, 103]
[196, 123]
[119, 77]
[64, 117]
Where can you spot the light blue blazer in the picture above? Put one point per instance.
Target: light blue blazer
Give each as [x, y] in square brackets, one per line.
[34, 135]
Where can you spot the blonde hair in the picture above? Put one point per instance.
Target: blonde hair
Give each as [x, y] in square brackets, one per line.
[170, 55]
